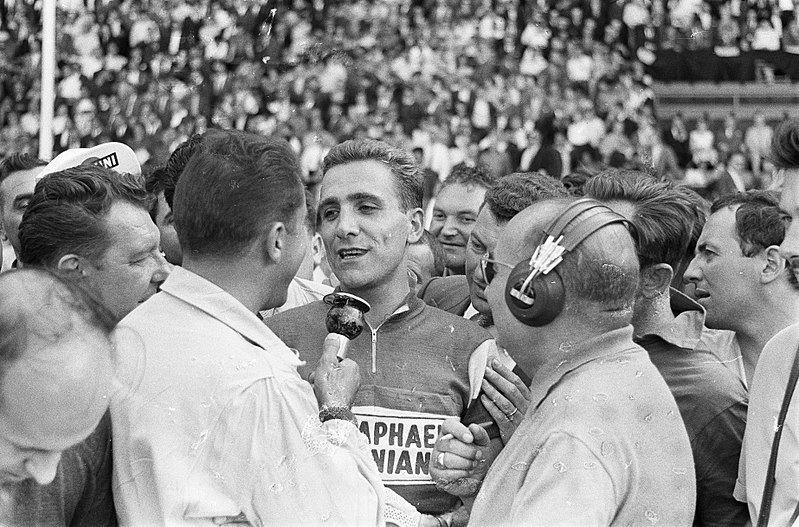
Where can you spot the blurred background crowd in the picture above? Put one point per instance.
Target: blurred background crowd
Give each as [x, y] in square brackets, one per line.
[563, 86]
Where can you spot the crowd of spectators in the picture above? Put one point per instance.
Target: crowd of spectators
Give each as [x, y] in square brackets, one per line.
[490, 81]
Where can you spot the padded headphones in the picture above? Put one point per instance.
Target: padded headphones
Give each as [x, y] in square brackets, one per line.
[534, 291]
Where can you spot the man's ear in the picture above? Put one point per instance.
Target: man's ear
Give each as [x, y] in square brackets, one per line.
[273, 242]
[72, 264]
[417, 225]
[655, 280]
[317, 250]
[774, 264]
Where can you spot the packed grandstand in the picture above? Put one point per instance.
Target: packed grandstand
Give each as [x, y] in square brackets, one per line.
[492, 81]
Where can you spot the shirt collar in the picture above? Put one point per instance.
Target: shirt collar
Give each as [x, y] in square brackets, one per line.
[221, 305]
[566, 361]
[470, 311]
[685, 331]
[410, 305]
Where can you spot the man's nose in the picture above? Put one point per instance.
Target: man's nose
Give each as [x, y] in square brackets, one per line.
[162, 270]
[42, 466]
[450, 226]
[789, 248]
[692, 273]
[347, 224]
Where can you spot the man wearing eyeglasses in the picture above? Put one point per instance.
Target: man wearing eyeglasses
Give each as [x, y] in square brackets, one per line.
[465, 296]
[504, 393]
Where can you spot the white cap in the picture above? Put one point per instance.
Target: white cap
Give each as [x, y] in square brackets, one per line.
[116, 156]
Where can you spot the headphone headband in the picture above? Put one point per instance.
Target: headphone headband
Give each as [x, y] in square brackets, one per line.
[604, 216]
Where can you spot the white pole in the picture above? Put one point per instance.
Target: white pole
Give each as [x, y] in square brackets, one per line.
[47, 101]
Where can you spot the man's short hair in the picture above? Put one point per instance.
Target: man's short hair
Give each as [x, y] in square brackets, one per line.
[439, 256]
[155, 183]
[177, 163]
[235, 185]
[575, 182]
[23, 318]
[165, 178]
[401, 163]
[66, 213]
[470, 176]
[18, 162]
[664, 218]
[702, 210]
[785, 145]
[596, 270]
[759, 221]
[515, 192]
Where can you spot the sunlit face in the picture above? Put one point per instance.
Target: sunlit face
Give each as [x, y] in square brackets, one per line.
[454, 214]
[483, 240]
[15, 193]
[132, 268]
[165, 222]
[48, 404]
[789, 202]
[364, 227]
[725, 279]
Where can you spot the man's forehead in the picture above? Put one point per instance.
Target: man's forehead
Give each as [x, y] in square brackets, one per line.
[454, 194]
[720, 229]
[721, 224]
[487, 228]
[357, 177]
[360, 180]
[125, 221]
[20, 182]
[789, 198]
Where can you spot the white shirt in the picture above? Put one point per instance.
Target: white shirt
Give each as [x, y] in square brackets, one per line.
[602, 443]
[300, 292]
[765, 399]
[214, 420]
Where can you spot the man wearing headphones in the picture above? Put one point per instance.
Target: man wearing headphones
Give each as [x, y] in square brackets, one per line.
[602, 442]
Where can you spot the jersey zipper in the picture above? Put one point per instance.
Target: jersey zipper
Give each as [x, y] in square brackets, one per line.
[402, 309]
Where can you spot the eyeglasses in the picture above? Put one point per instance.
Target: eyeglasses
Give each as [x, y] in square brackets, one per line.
[487, 267]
